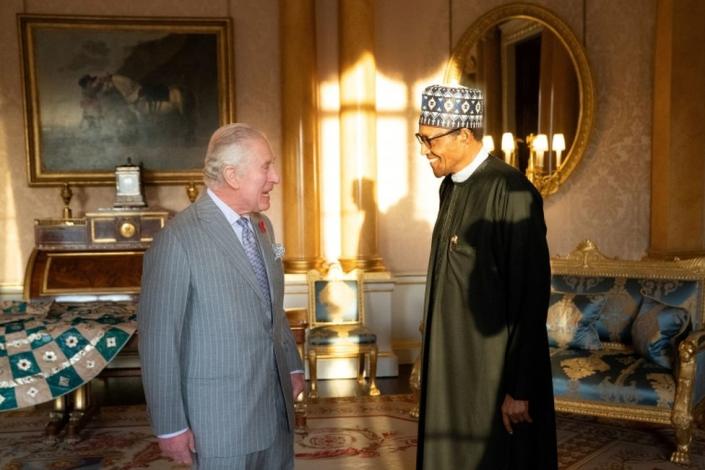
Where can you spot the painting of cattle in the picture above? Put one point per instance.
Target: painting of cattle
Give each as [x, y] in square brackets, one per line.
[101, 90]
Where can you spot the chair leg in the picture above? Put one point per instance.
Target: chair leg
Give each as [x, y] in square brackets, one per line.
[684, 435]
[313, 390]
[374, 391]
[361, 368]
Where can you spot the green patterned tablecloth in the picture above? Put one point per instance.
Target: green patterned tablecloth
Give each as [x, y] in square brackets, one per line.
[49, 349]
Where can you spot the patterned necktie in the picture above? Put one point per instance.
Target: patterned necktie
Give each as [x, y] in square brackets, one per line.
[253, 254]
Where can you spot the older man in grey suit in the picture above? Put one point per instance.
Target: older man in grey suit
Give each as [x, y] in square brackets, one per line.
[219, 364]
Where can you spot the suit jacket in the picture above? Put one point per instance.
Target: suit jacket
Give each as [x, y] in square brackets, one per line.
[212, 358]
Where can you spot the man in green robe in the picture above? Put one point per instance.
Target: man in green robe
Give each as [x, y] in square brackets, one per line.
[486, 392]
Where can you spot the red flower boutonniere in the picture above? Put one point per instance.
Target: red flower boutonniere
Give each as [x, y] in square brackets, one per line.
[262, 227]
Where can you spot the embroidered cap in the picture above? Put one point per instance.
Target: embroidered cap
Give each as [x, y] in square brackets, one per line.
[451, 106]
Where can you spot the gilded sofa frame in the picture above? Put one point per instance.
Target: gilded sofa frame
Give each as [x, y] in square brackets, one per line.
[587, 260]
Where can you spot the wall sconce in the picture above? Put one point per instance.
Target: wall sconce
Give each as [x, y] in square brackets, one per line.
[558, 146]
[540, 169]
[488, 143]
[508, 147]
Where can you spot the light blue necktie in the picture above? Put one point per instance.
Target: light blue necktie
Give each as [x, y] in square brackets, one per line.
[253, 254]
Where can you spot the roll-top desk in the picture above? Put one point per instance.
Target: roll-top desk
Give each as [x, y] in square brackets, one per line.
[93, 259]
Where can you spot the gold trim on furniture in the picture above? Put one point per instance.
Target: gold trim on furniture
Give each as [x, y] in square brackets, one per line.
[586, 260]
[458, 63]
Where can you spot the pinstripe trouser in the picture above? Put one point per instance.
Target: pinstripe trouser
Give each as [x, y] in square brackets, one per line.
[278, 456]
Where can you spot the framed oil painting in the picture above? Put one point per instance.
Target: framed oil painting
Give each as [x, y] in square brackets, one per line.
[100, 90]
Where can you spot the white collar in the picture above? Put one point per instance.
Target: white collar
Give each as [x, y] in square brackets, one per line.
[227, 211]
[466, 172]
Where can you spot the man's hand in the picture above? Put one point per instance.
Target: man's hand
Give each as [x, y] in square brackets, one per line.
[298, 384]
[179, 448]
[514, 411]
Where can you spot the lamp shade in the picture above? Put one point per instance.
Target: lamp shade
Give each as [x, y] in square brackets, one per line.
[488, 143]
[558, 143]
[540, 143]
[507, 142]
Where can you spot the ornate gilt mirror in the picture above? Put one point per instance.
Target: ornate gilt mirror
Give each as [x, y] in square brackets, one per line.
[539, 98]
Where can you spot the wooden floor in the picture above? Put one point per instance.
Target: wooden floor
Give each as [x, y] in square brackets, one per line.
[128, 390]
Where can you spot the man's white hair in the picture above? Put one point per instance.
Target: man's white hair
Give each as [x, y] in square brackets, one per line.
[229, 145]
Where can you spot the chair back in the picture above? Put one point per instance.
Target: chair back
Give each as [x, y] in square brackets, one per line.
[335, 298]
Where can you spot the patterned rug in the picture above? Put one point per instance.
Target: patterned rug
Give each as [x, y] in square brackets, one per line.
[343, 433]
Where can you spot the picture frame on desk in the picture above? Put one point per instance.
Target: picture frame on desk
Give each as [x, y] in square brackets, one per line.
[100, 89]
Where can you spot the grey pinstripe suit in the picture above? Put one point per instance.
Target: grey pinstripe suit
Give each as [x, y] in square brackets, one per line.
[211, 358]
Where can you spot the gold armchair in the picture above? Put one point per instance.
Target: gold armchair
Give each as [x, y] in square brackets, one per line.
[337, 322]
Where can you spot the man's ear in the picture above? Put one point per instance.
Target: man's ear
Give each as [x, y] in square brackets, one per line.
[231, 177]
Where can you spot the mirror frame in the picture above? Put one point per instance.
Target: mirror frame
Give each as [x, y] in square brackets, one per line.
[453, 74]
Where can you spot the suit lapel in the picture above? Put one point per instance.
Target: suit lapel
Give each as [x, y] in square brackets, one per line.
[216, 226]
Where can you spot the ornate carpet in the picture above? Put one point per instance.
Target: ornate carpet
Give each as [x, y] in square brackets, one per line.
[343, 433]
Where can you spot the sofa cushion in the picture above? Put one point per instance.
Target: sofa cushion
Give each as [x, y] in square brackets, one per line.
[571, 320]
[615, 322]
[625, 295]
[656, 329]
[612, 376]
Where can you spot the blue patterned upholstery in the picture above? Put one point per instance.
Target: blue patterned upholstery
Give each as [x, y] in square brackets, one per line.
[571, 320]
[611, 376]
[624, 296]
[340, 335]
[656, 329]
[651, 366]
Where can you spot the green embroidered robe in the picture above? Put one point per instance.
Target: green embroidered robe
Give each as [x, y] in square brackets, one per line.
[487, 293]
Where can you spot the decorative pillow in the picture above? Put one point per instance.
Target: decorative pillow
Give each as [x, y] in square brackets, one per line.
[656, 329]
[618, 314]
[572, 320]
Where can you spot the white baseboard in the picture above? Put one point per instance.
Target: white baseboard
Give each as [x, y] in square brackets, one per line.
[11, 291]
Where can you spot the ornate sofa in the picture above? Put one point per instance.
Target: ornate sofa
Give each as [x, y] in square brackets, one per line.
[628, 340]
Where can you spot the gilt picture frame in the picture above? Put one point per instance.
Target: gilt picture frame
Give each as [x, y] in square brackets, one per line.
[100, 90]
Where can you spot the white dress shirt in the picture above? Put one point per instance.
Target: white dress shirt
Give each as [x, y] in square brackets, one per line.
[466, 172]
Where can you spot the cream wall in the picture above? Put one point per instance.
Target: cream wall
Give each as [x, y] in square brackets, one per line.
[606, 199]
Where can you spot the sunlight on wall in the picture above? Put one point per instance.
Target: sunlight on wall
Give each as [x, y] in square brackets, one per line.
[329, 99]
[392, 134]
[425, 183]
[401, 170]
[11, 269]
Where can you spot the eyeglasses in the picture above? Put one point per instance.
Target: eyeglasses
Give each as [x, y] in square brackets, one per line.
[425, 140]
